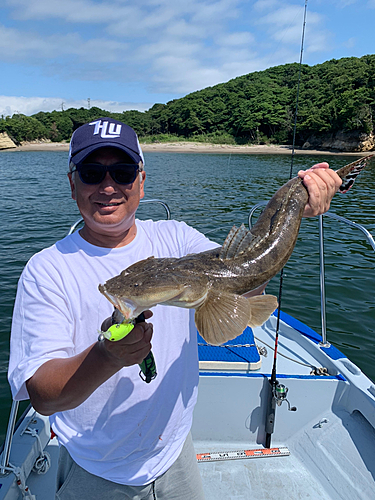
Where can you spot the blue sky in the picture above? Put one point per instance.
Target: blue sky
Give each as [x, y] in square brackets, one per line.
[130, 55]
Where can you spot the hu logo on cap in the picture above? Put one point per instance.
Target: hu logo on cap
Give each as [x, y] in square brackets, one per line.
[103, 127]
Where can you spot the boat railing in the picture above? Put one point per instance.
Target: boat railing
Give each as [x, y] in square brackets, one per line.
[155, 200]
[368, 235]
[4, 465]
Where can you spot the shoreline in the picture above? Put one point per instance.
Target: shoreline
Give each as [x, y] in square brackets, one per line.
[198, 147]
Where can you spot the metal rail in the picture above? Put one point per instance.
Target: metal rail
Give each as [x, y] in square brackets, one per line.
[166, 207]
[368, 235]
[252, 210]
[4, 466]
[370, 239]
[324, 342]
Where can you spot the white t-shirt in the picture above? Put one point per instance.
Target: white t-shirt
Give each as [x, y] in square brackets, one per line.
[127, 431]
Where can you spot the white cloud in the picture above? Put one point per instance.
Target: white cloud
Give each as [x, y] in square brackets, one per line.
[265, 5]
[31, 105]
[174, 46]
[345, 3]
[30, 46]
[350, 43]
[242, 39]
[284, 25]
[213, 12]
[121, 17]
[76, 11]
[285, 22]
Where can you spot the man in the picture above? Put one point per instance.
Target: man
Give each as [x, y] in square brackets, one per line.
[119, 437]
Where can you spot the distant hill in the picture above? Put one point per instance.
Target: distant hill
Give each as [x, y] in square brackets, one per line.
[336, 102]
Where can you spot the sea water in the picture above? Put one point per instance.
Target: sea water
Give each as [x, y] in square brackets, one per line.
[210, 192]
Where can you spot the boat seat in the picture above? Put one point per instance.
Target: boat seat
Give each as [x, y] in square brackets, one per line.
[239, 354]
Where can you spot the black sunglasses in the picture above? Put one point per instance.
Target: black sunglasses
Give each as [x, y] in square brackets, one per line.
[94, 173]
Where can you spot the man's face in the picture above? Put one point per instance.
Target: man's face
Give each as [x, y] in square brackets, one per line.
[108, 208]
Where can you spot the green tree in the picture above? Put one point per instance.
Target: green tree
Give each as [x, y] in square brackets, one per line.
[336, 95]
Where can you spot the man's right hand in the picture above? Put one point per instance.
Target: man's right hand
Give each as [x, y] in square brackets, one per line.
[64, 383]
[134, 347]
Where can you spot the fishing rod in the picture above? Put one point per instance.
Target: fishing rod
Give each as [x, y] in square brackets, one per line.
[278, 392]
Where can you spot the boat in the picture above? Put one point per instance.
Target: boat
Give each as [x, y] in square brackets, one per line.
[309, 435]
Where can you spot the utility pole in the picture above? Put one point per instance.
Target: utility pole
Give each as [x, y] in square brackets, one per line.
[88, 102]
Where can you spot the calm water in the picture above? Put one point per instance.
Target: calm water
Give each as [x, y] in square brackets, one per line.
[210, 192]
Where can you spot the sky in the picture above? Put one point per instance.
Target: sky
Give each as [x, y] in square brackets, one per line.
[121, 54]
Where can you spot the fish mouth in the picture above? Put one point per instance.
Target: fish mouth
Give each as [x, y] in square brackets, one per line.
[126, 307]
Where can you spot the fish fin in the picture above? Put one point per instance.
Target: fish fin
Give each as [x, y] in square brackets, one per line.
[237, 241]
[261, 308]
[222, 317]
[227, 242]
[350, 172]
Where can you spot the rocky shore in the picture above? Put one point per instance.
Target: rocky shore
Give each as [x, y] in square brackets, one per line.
[6, 142]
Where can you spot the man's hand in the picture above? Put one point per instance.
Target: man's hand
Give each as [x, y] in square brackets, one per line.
[64, 383]
[133, 348]
[321, 183]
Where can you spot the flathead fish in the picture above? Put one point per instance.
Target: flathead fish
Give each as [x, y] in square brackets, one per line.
[214, 282]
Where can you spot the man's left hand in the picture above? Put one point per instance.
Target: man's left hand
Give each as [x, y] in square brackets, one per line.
[321, 183]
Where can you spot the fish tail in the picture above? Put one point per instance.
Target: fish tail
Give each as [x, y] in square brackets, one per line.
[350, 172]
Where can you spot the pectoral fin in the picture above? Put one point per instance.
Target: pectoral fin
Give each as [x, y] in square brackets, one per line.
[261, 308]
[222, 317]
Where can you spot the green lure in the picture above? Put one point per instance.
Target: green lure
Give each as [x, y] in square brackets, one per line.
[119, 331]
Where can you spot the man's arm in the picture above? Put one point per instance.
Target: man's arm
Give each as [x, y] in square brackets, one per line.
[64, 383]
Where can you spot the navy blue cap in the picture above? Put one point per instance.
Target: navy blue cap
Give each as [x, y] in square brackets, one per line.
[105, 132]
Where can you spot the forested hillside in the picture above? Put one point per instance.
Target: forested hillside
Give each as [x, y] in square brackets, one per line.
[338, 95]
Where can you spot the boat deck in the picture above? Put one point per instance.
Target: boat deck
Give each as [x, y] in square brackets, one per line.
[260, 479]
[323, 463]
[332, 462]
[330, 437]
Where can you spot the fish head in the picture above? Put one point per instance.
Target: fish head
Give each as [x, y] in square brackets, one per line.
[128, 308]
[140, 287]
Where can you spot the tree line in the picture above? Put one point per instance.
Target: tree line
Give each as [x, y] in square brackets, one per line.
[338, 95]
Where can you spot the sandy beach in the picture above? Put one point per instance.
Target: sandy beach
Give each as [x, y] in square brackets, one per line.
[197, 147]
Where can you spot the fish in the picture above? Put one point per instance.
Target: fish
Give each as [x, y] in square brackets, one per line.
[215, 282]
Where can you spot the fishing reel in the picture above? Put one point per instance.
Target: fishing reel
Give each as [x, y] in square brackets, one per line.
[276, 396]
[280, 394]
